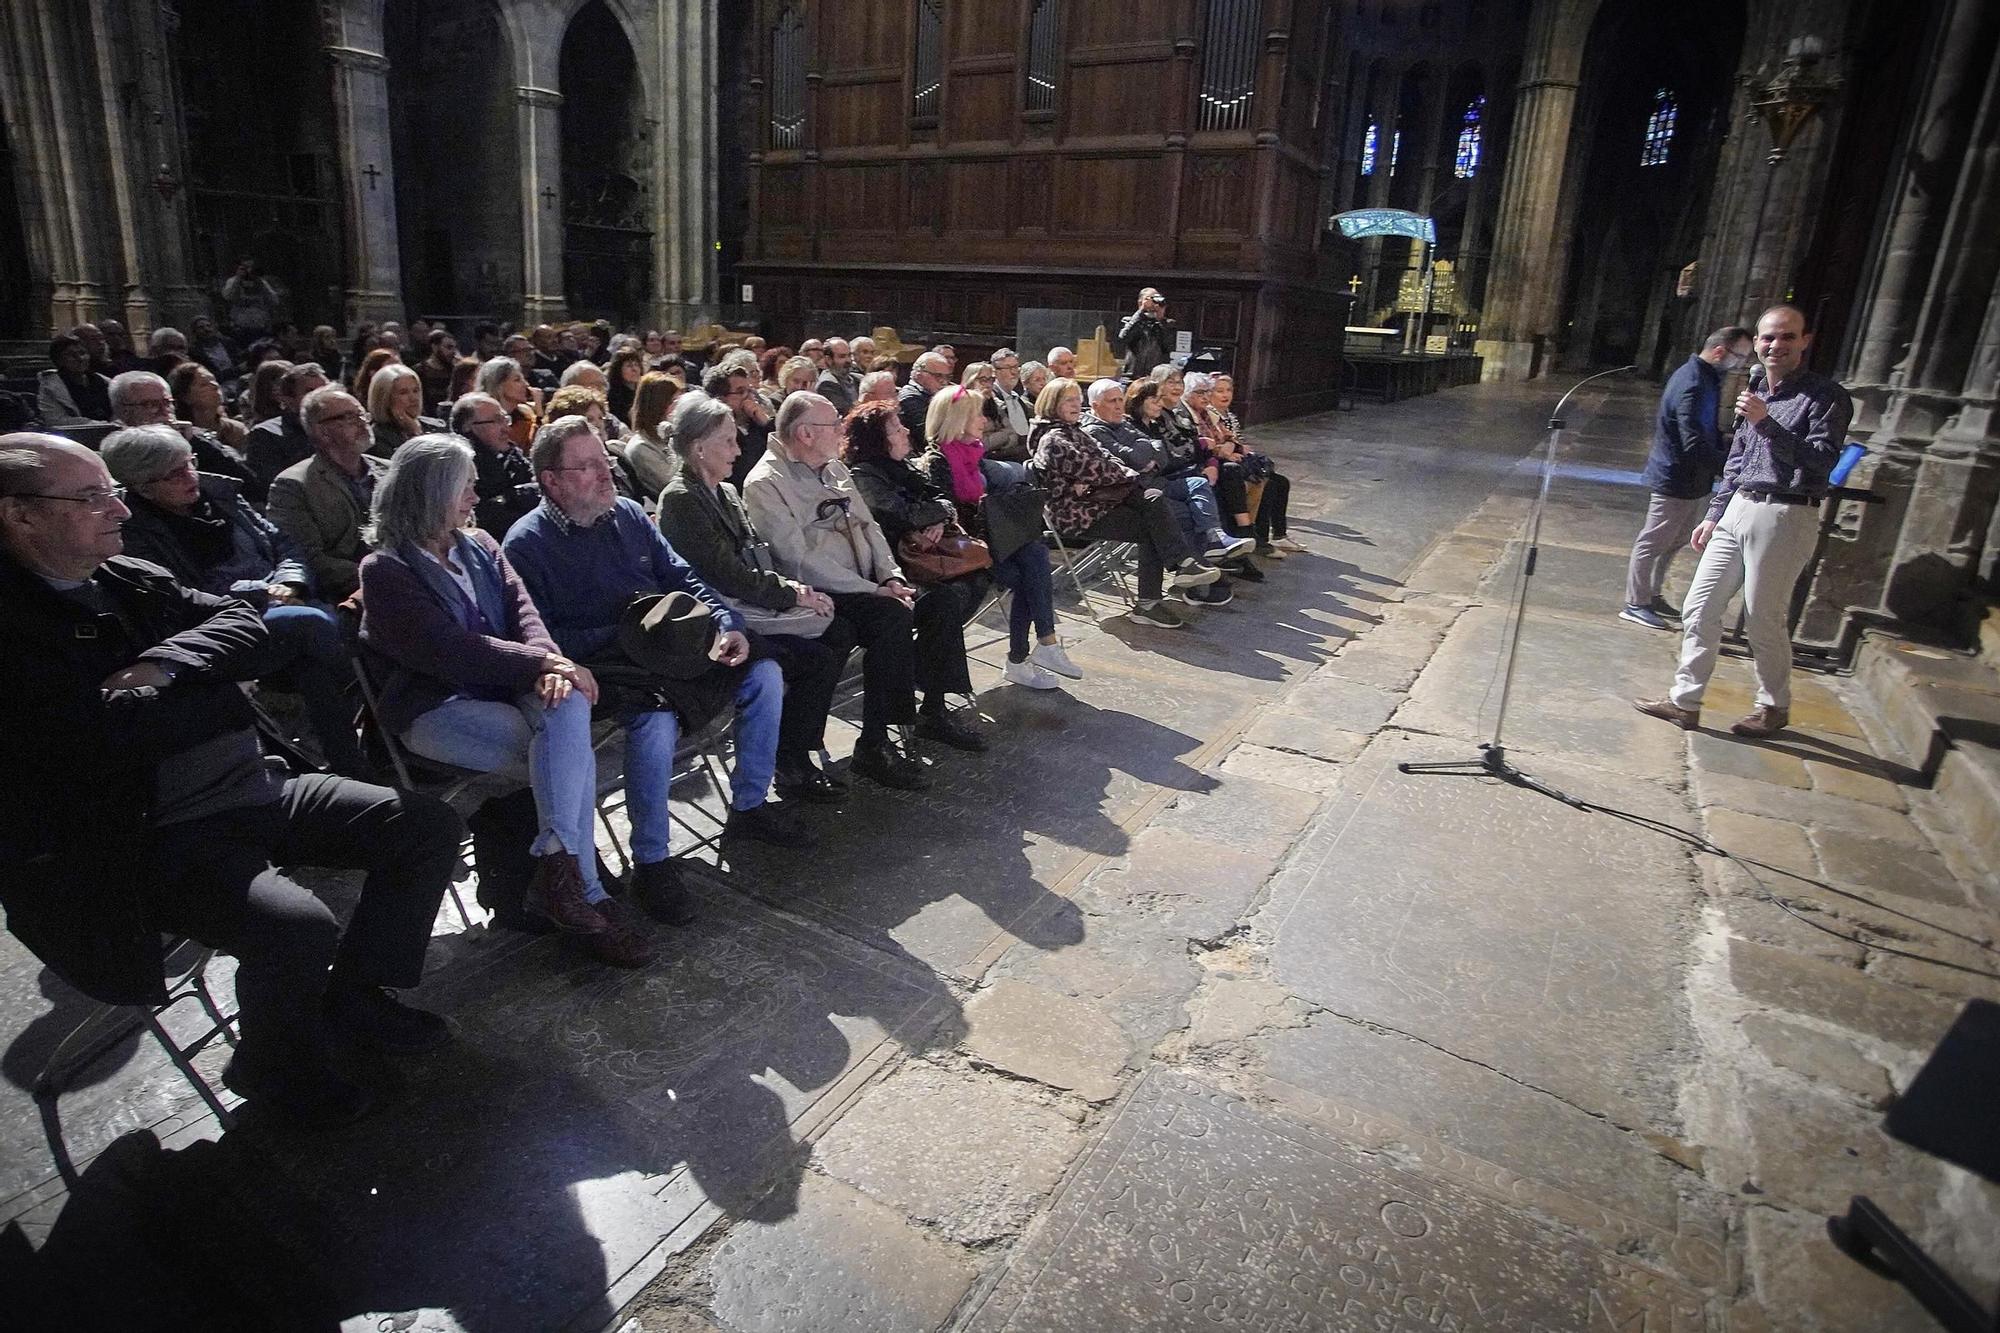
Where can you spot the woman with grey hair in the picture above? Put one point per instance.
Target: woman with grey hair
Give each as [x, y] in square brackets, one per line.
[198, 526]
[703, 519]
[471, 677]
[500, 378]
[1034, 378]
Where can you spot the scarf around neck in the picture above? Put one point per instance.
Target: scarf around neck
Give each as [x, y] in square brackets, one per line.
[968, 483]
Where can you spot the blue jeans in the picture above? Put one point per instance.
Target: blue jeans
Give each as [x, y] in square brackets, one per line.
[1193, 501]
[1026, 574]
[650, 739]
[306, 652]
[1002, 475]
[549, 748]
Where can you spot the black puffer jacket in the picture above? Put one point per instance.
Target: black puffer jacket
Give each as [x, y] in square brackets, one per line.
[76, 794]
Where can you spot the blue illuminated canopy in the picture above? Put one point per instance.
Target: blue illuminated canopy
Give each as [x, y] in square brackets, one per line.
[1359, 222]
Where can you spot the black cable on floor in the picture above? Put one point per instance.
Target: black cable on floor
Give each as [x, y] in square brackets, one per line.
[1699, 843]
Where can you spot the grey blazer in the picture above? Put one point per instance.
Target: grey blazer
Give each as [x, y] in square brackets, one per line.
[312, 504]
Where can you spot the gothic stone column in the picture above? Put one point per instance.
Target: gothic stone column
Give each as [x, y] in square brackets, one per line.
[367, 167]
[540, 125]
[681, 98]
[1525, 276]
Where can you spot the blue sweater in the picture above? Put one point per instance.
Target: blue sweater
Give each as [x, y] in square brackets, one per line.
[582, 579]
[1688, 448]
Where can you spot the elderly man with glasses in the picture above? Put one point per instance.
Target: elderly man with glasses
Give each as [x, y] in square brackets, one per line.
[502, 474]
[148, 806]
[141, 398]
[929, 373]
[322, 504]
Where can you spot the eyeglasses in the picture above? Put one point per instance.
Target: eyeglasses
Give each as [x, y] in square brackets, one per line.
[823, 425]
[489, 421]
[98, 499]
[344, 416]
[151, 404]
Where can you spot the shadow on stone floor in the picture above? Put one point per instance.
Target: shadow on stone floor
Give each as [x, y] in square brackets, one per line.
[21, 1064]
[526, 1172]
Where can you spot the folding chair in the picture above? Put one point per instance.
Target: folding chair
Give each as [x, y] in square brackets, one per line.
[1090, 562]
[90, 1040]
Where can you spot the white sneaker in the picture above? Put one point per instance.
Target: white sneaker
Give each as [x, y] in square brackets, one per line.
[1194, 574]
[1287, 544]
[1030, 675]
[1051, 657]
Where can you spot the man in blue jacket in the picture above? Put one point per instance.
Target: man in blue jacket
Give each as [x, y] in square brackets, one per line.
[1688, 453]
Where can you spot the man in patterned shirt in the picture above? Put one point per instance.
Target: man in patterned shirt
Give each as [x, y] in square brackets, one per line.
[1762, 525]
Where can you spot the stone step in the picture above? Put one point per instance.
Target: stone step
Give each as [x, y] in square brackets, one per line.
[1943, 708]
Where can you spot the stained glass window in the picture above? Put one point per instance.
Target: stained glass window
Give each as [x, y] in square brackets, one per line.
[1368, 150]
[1659, 130]
[1466, 164]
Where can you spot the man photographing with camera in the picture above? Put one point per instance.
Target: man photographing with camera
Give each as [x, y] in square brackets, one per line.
[1762, 525]
[1145, 335]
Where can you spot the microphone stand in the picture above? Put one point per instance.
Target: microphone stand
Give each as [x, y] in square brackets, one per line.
[1492, 758]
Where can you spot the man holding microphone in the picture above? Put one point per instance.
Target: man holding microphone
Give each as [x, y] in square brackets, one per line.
[1791, 424]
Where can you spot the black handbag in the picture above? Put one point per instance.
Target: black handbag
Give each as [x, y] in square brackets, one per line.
[1013, 518]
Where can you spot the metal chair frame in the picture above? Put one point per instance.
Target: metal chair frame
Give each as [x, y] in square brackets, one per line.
[90, 1040]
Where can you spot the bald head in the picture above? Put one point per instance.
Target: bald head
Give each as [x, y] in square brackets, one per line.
[60, 513]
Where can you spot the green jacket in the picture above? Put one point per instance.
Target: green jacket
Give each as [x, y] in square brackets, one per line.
[711, 531]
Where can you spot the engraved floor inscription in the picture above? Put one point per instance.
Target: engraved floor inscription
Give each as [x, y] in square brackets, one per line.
[1199, 1211]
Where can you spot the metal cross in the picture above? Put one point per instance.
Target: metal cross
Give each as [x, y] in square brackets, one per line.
[548, 195]
[1354, 284]
[373, 173]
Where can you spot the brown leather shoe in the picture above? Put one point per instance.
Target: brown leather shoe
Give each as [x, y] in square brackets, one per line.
[1687, 719]
[1764, 720]
[623, 942]
[556, 895]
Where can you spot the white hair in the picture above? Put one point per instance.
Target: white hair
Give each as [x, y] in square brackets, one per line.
[496, 371]
[873, 378]
[576, 370]
[415, 499]
[1098, 388]
[314, 404]
[1198, 382]
[140, 454]
[1056, 353]
[163, 339]
[122, 385]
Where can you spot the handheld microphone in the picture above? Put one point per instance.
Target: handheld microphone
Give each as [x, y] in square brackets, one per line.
[1756, 383]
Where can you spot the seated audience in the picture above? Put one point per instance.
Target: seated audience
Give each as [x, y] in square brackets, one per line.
[940, 492]
[1062, 364]
[500, 378]
[703, 519]
[814, 350]
[475, 680]
[435, 370]
[1094, 497]
[464, 377]
[770, 389]
[878, 386]
[521, 349]
[200, 529]
[502, 475]
[928, 373]
[207, 345]
[119, 353]
[371, 366]
[822, 534]
[325, 351]
[579, 400]
[732, 383]
[93, 340]
[281, 441]
[395, 405]
[1272, 506]
[625, 370]
[72, 393]
[1034, 378]
[258, 397]
[584, 555]
[1171, 463]
[838, 383]
[197, 399]
[322, 504]
[150, 808]
[165, 349]
[645, 449]
[1007, 410]
[141, 398]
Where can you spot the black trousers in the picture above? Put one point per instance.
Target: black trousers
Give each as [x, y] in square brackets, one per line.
[1272, 509]
[1147, 518]
[812, 669]
[217, 882]
[885, 630]
[1232, 493]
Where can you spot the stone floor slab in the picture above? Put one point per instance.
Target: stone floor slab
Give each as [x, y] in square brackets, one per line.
[1872, 863]
[1855, 785]
[1513, 932]
[1730, 756]
[1825, 1060]
[909, 1144]
[1840, 995]
[1040, 1034]
[1772, 842]
[1198, 1211]
[1815, 808]
[841, 1261]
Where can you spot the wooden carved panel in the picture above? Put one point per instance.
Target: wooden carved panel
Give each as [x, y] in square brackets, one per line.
[857, 115]
[990, 28]
[924, 183]
[1116, 99]
[854, 36]
[781, 196]
[859, 198]
[1121, 196]
[1220, 319]
[982, 105]
[1117, 25]
[977, 196]
[1029, 195]
[1218, 193]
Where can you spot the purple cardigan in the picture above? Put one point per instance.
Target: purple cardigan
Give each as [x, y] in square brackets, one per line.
[431, 654]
